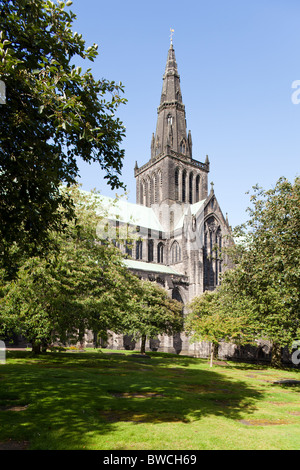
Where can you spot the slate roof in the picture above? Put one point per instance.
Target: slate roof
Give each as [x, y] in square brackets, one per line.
[127, 212]
[150, 267]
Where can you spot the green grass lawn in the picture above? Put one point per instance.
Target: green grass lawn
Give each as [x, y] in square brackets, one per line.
[120, 401]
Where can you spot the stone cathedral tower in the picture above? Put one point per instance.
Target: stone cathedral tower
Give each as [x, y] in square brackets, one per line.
[171, 175]
[174, 186]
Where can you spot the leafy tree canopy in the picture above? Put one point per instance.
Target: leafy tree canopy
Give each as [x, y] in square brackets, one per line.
[267, 273]
[54, 113]
[83, 286]
[153, 312]
[260, 297]
[214, 317]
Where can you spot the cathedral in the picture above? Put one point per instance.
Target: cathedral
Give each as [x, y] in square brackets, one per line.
[174, 186]
[176, 228]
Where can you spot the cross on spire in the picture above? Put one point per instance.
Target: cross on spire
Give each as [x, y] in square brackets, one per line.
[171, 36]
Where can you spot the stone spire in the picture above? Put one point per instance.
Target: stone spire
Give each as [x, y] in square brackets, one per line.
[171, 131]
[171, 175]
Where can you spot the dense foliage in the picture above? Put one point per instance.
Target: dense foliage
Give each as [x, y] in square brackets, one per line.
[154, 313]
[84, 285]
[211, 318]
[263, 290]
[54, 114]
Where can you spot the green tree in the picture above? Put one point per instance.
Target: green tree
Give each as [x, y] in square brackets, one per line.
[211, 318]
[152, 313]
[267, 273]
[83, 286]
[54, 114]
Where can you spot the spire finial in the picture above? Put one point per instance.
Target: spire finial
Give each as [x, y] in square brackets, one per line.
[171, 36]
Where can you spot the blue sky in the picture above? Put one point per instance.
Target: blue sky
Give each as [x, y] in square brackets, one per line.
[237, 61]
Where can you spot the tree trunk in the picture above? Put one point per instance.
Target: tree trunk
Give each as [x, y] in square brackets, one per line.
[36, 347]
[212, 351]
[216, 350]
[276, 356]
[143, 344]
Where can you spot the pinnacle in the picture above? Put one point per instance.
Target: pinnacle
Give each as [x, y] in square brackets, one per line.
[171, 65]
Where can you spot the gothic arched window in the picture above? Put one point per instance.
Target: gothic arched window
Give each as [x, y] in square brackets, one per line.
[147, 192]
[150, 251]
[159, 186]
[182, 147]
[142, 193]
[152, 190]
[184, 186]
[218, 255]
[176, 184]
[212, 254]
[139, 249]
[155, 188]
[160, 252]
[191, 188]
[175, 253]
[197, 188]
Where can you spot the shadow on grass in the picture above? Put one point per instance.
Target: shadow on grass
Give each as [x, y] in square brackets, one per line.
[66, 399]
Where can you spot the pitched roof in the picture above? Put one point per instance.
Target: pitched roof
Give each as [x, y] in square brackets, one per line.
[150, 267]
[127, 212]
[192, 209]
[139, 215]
